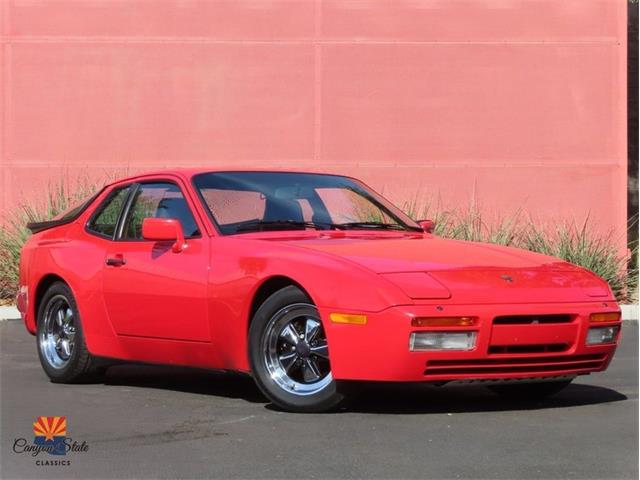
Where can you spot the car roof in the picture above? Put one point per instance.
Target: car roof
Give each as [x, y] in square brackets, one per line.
[188, 173]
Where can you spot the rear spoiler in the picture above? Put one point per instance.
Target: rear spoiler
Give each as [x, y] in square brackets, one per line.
[71, 216]
[36, 227]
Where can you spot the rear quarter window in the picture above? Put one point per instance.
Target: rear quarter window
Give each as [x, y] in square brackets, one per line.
[105, 218]
[74, 211]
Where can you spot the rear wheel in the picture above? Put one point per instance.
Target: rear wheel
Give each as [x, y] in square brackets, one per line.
[61, 346]
[289, 354]
[530, 391]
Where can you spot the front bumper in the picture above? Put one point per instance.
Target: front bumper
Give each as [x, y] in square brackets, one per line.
[379, 350]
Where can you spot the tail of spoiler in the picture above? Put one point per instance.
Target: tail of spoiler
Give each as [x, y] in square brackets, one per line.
[36, 227]
[67, 217]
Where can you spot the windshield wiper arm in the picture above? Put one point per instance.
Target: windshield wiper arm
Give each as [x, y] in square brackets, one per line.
[259, 225]
[380, 225]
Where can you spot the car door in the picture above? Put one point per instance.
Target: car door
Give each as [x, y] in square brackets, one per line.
[150, 291]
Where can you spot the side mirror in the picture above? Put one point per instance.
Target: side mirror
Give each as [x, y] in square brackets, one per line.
[164, 229]
[427, 225]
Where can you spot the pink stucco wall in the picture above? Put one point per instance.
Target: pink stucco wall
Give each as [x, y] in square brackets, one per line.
[513, 103]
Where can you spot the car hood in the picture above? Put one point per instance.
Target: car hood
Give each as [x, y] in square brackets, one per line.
[431, 254]
[465, 271]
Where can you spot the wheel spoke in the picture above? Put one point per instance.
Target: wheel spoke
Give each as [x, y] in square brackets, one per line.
[311, 372]
[59, 318]
[68, 328]
[290, 335]
[311, 329]
[321, 351]
[288, 360]
[66, 347]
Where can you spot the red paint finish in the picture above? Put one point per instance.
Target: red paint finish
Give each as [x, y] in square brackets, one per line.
[391, 360]
[165, 294]
[143, 300]
[507, 104]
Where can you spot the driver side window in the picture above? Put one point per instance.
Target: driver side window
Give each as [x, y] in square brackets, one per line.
[159, 200]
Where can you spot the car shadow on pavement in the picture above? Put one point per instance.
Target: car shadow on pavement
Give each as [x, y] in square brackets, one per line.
[424, 399]
[183, 379]
[364, 397]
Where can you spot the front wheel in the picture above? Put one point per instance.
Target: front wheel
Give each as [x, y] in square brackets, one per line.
[530, 391]
[289, 354]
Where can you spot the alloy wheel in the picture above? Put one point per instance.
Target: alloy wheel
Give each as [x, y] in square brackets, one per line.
[295, 349]
[57, 336]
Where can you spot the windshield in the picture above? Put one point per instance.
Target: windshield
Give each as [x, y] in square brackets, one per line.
[243, 202]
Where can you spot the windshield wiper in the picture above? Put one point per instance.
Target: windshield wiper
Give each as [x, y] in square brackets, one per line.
[262, 225]
[259, 225]
[380, 225]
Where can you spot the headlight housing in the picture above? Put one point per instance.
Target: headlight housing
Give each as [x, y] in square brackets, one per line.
[421, 341]
[602, 335]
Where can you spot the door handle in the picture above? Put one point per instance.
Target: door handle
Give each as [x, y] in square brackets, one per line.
[116, 261]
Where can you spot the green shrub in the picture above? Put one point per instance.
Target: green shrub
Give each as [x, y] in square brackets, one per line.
[578, 244]
[13, 231]
[574, 243]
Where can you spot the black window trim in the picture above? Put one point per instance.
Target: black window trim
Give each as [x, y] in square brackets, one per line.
[126, 206]
[124, 213]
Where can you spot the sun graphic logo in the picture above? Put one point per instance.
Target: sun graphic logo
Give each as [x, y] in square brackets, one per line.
[51, 432]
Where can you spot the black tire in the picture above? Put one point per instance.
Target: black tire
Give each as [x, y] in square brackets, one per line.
[261, 330]
[79, 366]
[529, 391]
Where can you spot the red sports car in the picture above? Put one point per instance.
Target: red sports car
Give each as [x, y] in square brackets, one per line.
[305, 281]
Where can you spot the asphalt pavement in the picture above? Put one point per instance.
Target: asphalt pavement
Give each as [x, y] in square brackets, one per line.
[162, 422]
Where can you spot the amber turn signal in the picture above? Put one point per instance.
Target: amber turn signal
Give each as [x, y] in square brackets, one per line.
[605, 317]
[348, 318]
[443, 321]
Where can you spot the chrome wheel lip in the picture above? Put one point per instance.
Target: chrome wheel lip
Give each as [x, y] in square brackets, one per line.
[271, 340]
[57, 333]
